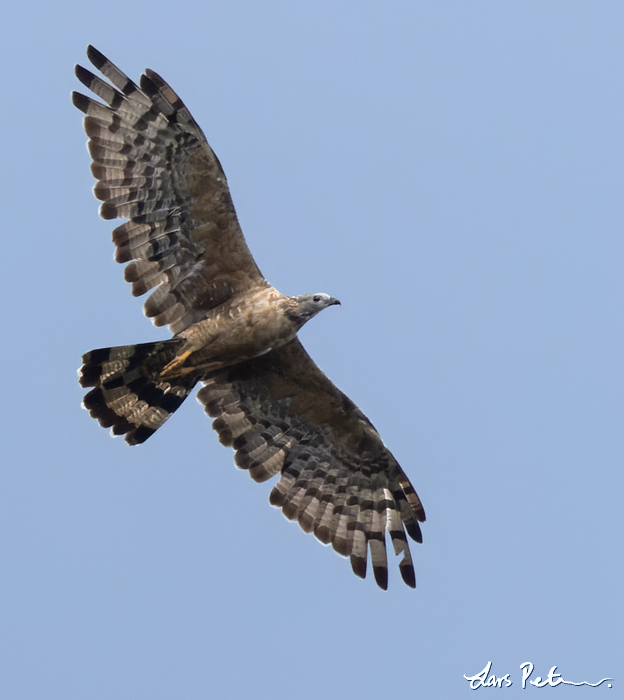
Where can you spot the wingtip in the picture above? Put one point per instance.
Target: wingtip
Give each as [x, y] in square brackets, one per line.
[408, 575]
[413, 530]
[381, 577]
[358, 564]
[85, 76]
[80, 101]
[155, 77]
[96, 57]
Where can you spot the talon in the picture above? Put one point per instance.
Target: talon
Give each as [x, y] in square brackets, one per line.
[175, 364]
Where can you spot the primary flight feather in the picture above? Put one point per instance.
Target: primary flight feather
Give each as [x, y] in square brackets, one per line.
[233, 331]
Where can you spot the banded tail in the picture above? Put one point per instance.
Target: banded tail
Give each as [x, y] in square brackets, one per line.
[130, 396]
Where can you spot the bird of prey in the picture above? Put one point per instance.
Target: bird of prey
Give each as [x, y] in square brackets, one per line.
[232, 331]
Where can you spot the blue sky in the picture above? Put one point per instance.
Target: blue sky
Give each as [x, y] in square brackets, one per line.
[452, 172]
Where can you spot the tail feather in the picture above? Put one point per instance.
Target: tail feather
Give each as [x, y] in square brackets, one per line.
[129, 395]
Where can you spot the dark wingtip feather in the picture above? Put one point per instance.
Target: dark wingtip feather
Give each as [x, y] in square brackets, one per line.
[381, 576]
[148, 85]
[407, 572]
[85, 76]
[358, 564]
[81, 101]
[96, 57]
[413, 530]
[154, 77]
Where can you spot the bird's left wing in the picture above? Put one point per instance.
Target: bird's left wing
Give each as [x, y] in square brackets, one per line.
[155, 167]
[282, 414]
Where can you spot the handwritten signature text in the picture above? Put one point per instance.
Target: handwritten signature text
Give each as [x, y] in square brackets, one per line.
[486, 679]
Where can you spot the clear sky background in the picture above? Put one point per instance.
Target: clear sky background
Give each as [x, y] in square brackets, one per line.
[453, 172]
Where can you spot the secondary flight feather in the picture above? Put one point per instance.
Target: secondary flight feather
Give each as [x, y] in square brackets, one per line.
[232, 331]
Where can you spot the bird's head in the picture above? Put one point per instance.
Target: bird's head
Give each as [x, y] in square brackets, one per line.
[307, 306]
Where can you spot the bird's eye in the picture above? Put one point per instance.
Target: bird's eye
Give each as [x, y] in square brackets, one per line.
[316, 298]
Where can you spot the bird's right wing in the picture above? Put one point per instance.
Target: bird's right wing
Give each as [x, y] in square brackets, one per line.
[283, 415]
[155, 167]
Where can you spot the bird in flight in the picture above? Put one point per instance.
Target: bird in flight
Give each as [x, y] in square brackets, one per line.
[232, 332]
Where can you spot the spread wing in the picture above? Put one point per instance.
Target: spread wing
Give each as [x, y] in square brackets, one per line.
[155, 167]
[282, 414]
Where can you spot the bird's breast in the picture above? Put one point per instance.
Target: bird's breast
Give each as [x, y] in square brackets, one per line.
[240, 330]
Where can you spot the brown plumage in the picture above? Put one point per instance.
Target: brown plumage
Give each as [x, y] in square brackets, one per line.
[232, 331]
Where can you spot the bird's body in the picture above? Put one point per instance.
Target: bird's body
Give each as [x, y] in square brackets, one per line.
[243, 327]
[232, 331]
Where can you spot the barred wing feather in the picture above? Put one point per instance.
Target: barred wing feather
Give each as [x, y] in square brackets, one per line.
[338, 480]
[155, 167]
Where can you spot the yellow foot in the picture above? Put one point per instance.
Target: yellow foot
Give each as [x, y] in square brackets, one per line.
[175, 364]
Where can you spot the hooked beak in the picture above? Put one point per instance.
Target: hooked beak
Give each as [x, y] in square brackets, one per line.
[333, 302]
